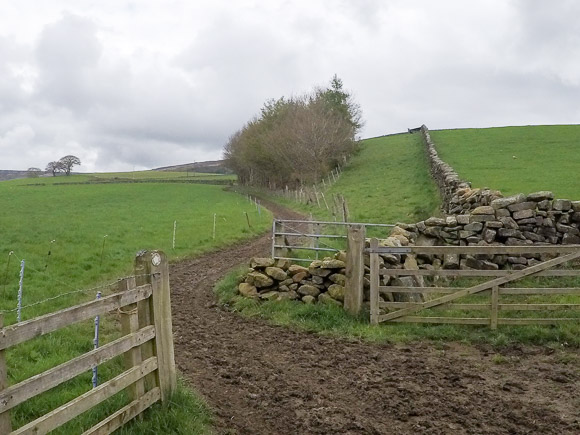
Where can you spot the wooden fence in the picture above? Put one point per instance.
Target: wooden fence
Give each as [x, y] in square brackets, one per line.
[144, 305]
[446, 297]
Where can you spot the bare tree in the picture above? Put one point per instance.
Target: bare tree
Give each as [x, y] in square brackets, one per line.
[54, 167]
[68, 162]
[33, 172]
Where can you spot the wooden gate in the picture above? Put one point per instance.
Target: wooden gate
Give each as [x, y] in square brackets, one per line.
[446, 297]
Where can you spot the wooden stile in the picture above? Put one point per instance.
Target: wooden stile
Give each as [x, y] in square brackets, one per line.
[355, 268]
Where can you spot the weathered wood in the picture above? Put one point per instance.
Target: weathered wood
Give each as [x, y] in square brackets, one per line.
[20, 332]
[130, 324]
[494, 307]
[5, 423]
[448, 306]
[72, 409]
[472, 273]
[42, 382]
[355, 269]
[125, 414]
[532, 270]
[374, 291]
[447, 320]
[473, 250]
[142, 271]
[539, 307]
[167, 374]
[536, 321]
[502, 290]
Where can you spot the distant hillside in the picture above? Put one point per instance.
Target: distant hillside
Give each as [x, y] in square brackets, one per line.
[11, 175]
[210, 167]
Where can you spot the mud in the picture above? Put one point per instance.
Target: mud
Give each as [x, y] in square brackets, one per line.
[262, 379]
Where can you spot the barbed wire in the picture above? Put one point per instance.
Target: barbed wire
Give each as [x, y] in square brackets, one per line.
[60, 295]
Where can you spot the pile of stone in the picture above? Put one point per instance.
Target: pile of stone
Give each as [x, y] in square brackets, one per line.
[277, 280]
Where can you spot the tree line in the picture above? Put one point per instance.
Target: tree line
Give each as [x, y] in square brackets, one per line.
[63, 165]
[296, 141]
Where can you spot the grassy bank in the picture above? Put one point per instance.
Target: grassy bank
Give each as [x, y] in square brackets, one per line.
[515, 159]
[75, 237]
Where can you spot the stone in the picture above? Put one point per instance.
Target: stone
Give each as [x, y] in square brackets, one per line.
[308, 299]
[545, 205]
[325, 298]
[317, 280]
[269, 296]
[451, 261]
[287, 296]
[488, 265]
[528, 205]
[283, 264]
[528, 221]
[575, 206]
[484, 209]
[462, 219]
[300, 276]
[261, 263]
[567, 229]
[336, 291]
[400, 231]
[402, 239]
[451, 221]
[562, 204]
[540, 196]
[287, 281]
[276, 273]
[506, 232]
[283, 288]
[489, 235]
[308, 290]
[433, 232]
[259, 280]
[517, 260]
[533, 236]
[316, 271]
[507, 201]
[502, 212]
[473, 263]
[247, 290]
[475, 226]
[294, 286]
[570, 239]
[338, 278]
[332, 264]
[481, 218]
[575, 217]
[340, 255]
[523, 214]
[493, 224]
[466, 234]
[434, 222]
[295, 268]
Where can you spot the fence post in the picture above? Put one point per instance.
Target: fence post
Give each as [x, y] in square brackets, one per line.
[494, 306]
[163, 325]
[355, 269]
[374, 278]
[5, 424]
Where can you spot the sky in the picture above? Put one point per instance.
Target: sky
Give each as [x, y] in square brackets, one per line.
[130, 85]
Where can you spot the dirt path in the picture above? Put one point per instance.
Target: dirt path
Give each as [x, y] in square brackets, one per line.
[261, 379]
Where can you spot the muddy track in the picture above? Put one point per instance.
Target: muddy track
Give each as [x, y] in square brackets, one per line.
[261, 379]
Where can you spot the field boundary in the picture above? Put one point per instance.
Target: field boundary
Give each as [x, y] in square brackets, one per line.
[445, 297]
[143, 303]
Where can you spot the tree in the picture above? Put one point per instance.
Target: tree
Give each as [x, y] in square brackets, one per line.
[33, 172]
[54, 167]
[68, 162]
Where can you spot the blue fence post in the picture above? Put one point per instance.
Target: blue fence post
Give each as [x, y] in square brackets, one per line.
[96, 345]
[19, 305]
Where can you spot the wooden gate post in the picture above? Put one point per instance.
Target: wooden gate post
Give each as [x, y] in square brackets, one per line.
[155, 264]
[355, 269]
[5, 423]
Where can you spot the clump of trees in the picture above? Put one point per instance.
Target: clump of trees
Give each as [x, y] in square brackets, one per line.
[65, 165]
[296, 141]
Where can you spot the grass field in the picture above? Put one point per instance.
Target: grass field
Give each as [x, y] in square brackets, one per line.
[515, 159]
[77, 218]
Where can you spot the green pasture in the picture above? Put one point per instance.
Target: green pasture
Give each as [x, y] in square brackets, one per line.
[515, 159]
[97, 230]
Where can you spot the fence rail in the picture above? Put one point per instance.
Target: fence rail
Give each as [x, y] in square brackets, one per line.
[444, 298]
[146, 343]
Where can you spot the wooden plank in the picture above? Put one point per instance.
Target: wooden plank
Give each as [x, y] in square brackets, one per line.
[502, 290]
[374, 278]
[485, 286]
[125, 414]
[18, 333]
[167, 373]
[446, 320]
[76, 407]
[447, 306]
[5, 422]
[42, 382]
[473, 250]
[539, 307]
[355, 269]
[494, 306]
[142, 271]
[130, 324]
[539, 290]
[472, 273]
[536, 321]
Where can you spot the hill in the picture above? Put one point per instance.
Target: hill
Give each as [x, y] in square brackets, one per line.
[515, 159]
[12, 175]
[209, 167]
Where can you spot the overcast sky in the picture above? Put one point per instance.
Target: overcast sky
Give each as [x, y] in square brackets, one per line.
[139, 84]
